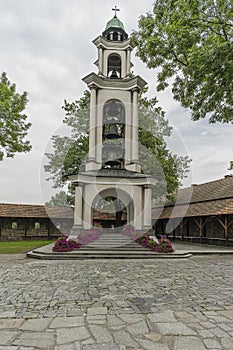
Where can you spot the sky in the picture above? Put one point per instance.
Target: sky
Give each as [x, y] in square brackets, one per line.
[46, 49]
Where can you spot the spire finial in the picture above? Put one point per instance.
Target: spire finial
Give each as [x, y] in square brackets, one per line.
[115, 9]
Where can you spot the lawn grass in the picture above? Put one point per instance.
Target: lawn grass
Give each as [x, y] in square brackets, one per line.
[18, 247]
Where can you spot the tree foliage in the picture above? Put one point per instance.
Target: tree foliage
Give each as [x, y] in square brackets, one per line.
[69, 152]
[60, 199]
[13, 126]
[191, 42]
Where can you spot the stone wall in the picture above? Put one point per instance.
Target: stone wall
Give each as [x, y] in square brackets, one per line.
[33, 228]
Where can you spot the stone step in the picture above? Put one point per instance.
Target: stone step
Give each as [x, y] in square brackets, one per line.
[108, 246]
[104, 255]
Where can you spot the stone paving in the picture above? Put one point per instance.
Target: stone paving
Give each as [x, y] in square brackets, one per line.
[116, 304]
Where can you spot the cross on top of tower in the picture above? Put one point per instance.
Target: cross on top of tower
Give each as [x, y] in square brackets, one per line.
[115, 9]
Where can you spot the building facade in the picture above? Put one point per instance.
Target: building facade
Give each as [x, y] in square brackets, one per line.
[202, 213]
[25, 221]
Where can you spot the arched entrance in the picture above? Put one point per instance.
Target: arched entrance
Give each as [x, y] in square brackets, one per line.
[112, 208]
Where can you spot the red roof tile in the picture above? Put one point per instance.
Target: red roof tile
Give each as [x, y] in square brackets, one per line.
[34, 211]
[211, 198]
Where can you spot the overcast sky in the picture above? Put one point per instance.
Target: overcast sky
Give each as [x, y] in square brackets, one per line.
[46, 49]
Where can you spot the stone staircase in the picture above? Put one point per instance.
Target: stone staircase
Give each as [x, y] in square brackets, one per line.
[110, 245]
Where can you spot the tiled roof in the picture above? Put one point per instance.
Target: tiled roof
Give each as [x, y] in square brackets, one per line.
[40, 211]
[213, 190]
[211, 198]
[216, 207]
[34, 211]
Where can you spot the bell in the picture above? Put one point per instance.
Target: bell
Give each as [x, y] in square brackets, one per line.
[113, 164]
[114, 74]
[112, 132]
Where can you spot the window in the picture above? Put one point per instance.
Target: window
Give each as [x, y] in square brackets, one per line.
[37, 225]
[113, 151]
[114, 112]
[114, 66]
[14, 225]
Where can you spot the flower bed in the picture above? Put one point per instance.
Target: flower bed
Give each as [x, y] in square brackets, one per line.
[162, 246]
[89, 236]
[64, 244]
[129, 231]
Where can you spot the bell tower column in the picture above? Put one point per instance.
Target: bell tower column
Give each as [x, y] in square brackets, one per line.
[134, 126]
[128, 61]
[101, 68]
[91, 161]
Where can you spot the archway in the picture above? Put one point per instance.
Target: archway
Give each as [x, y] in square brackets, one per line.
[114, 66]
[113, 208]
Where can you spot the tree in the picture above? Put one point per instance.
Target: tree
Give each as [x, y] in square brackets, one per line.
[70, 151]
[13, 126]
[191, 42]
[59, 200]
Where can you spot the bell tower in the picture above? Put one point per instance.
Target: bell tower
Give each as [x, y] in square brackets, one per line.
[112, 166]
[114, 102]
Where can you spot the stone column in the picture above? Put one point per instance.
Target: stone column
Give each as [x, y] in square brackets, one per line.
[134, 146]
[100, 59]
[92, 133]
[78, 209]
[147, 208]
[138, 212]
[128, 61]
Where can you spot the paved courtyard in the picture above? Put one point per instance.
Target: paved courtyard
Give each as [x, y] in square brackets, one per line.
[184, 304]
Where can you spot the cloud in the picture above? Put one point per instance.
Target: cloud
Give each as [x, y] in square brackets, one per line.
[46, 49]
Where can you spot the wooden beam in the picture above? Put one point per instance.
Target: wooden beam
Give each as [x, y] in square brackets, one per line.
[201, 228]
[182, 230]
[230, 223]
[224, 224]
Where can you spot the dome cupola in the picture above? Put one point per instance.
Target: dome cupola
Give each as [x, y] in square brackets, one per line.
[115, 30]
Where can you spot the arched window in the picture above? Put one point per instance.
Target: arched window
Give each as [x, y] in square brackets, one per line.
[114, 112]
[114, 66]
[113, 134]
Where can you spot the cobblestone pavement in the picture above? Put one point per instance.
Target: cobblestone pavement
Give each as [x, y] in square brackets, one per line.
[116, 304]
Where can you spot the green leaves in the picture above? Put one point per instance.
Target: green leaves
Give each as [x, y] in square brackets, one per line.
[69, 153]
[191, 41]
[13, 126]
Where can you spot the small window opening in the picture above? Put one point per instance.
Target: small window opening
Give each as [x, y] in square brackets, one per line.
[37, 225]
[14, 225]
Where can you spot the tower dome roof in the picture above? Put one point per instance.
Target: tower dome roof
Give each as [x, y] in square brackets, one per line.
[115, 23]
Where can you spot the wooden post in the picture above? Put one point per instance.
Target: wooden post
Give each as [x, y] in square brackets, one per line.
[201, 229]
[49, 228]
[201, 225]
[182, 229]
[225, 226]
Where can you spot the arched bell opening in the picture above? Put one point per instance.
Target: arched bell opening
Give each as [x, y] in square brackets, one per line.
[113, 149]
[114, 66]
[112, 209]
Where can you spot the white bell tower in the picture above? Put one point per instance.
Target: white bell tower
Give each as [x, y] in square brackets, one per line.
[112, 166]
[114, 101]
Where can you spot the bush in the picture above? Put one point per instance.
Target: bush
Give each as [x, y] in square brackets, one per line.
[89, 236]
[129, 231]
[63, 244]
[163, 246]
